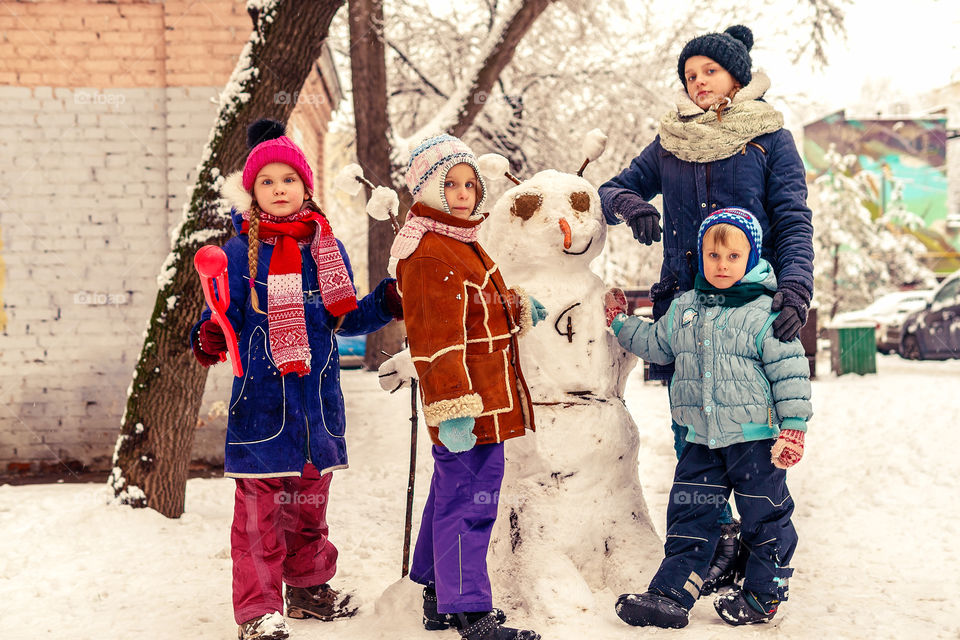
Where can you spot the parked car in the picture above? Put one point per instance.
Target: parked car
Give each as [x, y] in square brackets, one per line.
[351, 350]
[887, 314]
[933, 333]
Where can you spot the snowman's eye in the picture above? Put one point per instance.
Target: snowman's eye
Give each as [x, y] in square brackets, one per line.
[580, 201]
[526, 205]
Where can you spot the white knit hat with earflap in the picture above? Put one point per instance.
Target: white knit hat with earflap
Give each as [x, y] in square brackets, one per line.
[428, 167]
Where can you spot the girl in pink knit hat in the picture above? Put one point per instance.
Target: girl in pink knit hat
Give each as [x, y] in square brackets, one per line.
[291, 290]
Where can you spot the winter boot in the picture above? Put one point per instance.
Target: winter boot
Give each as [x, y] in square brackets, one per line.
[652, 609]
[484, 626]
[724, 569]
[270, 626]
[739, 607]
[436, 621]
[320, 602]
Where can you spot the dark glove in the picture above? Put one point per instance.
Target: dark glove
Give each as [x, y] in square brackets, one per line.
[640, 216]
[792, 300]
[663, 289]
[209, 343]
[392, 303]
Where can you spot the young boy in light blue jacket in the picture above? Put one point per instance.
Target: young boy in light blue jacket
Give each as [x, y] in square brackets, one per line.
[744, 398]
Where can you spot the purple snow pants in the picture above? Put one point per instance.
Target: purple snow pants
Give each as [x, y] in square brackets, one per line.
[455, 531]
[279, 535]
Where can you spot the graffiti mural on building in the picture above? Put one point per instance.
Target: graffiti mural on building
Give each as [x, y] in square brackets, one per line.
[912, 152]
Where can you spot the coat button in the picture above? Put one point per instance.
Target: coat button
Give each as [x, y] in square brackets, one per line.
[707, 374]
[703, 205]
[713, 441]
[706, 343]
[708, 409]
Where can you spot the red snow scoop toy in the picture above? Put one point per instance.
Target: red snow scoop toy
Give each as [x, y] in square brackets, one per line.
[211, 263]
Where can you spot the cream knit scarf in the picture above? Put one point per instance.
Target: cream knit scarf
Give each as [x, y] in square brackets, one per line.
[695, 135]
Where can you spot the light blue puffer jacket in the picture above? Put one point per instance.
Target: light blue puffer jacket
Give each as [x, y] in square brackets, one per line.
[734, 382]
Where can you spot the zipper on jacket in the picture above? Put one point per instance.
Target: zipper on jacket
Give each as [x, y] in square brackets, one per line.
[708, 187]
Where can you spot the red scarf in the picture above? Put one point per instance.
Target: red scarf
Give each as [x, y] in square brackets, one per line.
[285, 316]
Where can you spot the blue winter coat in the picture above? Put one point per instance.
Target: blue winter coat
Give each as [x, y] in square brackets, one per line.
[767, 178]
[277, 423]
[734, 381]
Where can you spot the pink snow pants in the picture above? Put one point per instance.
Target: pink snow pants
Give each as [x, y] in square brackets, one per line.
[279, 535]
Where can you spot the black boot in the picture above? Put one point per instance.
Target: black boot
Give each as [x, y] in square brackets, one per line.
[436, 621]
[740, 607]
[724, 569]
[480, 626]
[652, 610]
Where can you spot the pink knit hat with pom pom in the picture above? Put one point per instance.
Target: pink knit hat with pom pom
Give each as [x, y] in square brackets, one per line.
[268, 143]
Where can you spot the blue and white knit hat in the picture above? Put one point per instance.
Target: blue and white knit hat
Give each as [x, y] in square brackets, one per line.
[741, 219]
[428, 167]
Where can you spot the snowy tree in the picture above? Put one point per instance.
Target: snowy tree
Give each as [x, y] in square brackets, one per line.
[153, 450]
[381, 151]
[471, 65]
[580, 66]
[858, 256]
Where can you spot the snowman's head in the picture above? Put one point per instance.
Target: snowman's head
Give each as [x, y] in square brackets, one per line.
[552, 220]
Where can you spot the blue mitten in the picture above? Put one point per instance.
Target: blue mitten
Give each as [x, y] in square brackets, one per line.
[617, 323]
[537, 310]
[456, 434]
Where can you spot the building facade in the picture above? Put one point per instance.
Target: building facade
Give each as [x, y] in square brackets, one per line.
[104, 110]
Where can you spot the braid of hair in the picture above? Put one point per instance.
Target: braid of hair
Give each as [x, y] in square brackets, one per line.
[253, 254]
[722, 106]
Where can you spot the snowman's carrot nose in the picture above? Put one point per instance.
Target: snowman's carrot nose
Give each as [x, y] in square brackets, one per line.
[567, 234]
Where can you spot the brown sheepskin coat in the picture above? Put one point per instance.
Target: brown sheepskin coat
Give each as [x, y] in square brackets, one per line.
[462, 324]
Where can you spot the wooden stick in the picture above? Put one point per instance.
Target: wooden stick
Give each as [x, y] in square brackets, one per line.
[408, 523]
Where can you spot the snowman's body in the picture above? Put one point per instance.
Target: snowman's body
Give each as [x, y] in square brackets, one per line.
[573, 526]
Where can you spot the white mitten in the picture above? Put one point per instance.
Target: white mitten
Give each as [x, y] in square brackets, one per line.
[397, 372]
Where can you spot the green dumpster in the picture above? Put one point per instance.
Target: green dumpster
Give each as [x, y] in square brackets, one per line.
[853, 349]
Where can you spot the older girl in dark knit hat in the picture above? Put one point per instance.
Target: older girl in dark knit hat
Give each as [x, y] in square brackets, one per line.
[291, 289]
[722, 145]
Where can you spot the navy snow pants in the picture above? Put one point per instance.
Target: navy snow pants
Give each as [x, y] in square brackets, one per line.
[701, 488]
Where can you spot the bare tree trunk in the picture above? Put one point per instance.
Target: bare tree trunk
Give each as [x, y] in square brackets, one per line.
[153, 451]
[369, 71]
[496, 61]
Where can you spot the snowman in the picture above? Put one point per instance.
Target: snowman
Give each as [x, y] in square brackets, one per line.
[573, 530]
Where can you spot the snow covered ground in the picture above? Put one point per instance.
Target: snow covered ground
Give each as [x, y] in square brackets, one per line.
[876, 513]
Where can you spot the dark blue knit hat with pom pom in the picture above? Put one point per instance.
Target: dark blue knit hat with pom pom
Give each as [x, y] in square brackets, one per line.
[730, 49]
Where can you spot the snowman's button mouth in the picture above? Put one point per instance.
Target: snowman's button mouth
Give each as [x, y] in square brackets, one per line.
[579, 253]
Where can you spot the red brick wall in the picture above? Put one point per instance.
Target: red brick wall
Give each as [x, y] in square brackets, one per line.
[128, 43]
[141, 43]
[114, 173]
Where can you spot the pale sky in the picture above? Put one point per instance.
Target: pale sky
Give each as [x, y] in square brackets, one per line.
[913, 43]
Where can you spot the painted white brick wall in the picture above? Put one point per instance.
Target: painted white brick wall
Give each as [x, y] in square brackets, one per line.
[94, 180]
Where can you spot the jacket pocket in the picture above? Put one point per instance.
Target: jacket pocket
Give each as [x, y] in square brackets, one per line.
[491, 377]
[767, 394]
[258, 412]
